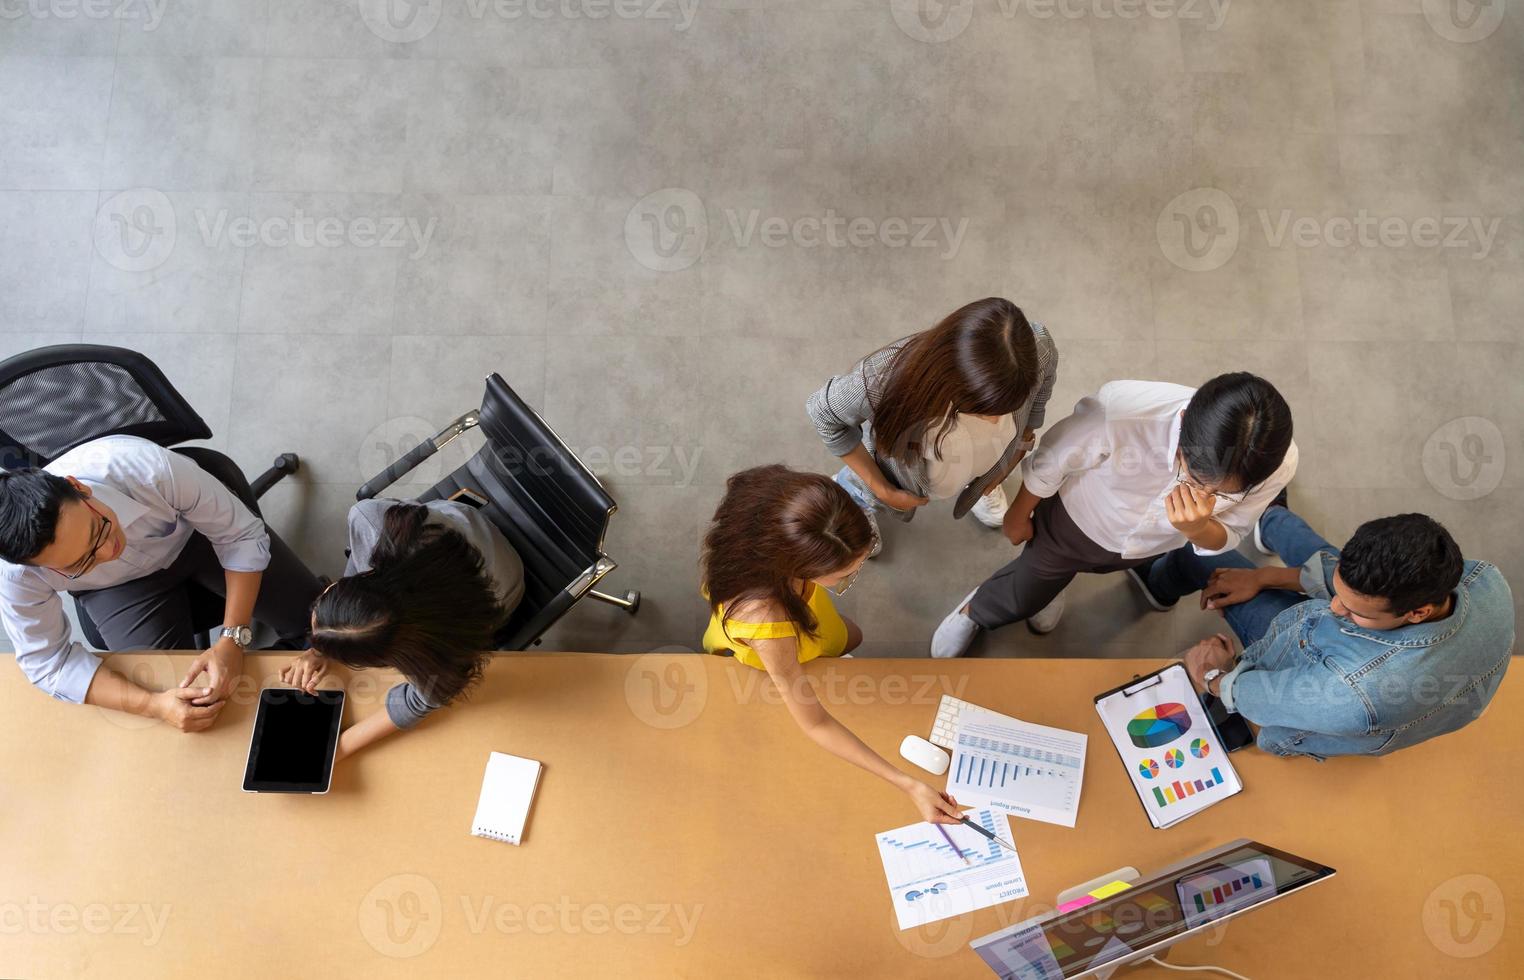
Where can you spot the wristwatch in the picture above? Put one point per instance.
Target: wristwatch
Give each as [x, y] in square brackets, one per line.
[240, 635]
[1210, 676]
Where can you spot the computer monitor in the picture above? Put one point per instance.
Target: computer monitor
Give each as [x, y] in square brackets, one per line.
[1157, 912]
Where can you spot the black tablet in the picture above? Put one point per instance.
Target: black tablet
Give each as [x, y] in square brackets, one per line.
[296, 736]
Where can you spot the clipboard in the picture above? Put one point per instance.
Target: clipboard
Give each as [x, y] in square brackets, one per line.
[1173, 753]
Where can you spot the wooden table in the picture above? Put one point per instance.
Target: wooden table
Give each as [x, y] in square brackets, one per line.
[684, 827]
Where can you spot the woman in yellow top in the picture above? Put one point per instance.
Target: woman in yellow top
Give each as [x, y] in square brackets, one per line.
[779, 541]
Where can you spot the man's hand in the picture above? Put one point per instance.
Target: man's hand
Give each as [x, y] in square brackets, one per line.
[305, 671]
[223, 664]
[1230, 586]
[1189, 510]
[898, 499]
[180, 707]
[1017, 527]
[1214, 651]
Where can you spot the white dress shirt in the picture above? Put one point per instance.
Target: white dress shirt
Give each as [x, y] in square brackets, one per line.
[159, 497]
[1112, 462]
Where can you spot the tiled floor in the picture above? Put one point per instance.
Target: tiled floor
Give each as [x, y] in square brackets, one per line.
[327, 220]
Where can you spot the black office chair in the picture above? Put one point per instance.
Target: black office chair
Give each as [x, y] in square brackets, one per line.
[55, 398]
[539, 494]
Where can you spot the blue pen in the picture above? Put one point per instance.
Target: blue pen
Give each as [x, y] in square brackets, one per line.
[943, 831]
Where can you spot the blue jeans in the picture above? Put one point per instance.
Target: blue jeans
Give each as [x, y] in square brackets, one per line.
[860, 494]
[1183, 572]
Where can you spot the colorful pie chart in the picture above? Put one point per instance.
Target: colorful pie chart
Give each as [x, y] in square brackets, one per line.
[1159, 725]
[1201, 748]
[1174, 758]
[1148, 769]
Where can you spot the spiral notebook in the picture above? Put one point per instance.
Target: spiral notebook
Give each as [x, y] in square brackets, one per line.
[507, 792]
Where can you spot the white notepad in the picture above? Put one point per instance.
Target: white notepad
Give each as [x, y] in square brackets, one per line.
[507, 791]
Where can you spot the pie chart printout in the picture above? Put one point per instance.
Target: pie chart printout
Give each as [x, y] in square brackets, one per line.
[1159, 725]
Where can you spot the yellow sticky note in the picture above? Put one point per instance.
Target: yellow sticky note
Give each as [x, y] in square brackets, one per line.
[1106, 891]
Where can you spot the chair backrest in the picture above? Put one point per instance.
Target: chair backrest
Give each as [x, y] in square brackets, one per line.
[55, 398]
[545, 501]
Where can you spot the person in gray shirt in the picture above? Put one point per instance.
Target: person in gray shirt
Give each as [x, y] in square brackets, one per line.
[426, 588]
[943, 414]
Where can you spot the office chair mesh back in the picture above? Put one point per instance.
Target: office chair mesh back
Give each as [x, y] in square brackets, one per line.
[55, 398]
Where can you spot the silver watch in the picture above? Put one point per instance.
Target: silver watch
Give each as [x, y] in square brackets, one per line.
[1210, 676]
[240, 635]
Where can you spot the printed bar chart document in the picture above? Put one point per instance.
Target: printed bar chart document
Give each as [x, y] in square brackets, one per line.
[1016, 767]
[929, 881]
[1166, 740]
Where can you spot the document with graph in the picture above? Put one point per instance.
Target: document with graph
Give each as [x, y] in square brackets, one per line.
[928, 880]
[1167, 743]
[1016, 767]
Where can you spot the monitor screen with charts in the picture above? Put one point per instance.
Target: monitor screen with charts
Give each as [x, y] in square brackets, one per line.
[1156, 912]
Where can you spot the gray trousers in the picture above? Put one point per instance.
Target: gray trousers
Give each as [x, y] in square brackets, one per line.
[159, 610]
[1058, 551]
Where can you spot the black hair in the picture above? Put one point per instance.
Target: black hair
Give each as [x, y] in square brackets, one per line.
[1236, 426]
[426, 607]
[30, 499]
[1409, 560]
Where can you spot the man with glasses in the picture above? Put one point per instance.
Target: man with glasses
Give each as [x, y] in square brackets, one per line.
[1140, 468]
[126, 526]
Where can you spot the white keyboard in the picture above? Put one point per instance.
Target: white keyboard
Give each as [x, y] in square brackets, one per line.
[945, 728]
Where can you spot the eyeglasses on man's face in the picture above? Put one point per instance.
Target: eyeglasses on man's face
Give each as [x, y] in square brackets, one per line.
[99, 535]
[1183, 478]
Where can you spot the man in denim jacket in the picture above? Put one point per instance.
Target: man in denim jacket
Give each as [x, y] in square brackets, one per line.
[1393, 641]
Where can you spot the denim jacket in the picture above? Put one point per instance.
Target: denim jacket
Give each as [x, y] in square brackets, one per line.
[1319, 685]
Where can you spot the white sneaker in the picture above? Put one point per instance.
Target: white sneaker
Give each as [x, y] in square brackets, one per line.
[956, 632]
[1046, 619]
[1259, 542]
[990, 509]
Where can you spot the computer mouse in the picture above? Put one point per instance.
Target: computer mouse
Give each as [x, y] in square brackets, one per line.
[924, 754]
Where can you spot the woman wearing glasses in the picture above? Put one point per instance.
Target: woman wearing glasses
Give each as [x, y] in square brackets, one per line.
[1139, 469]
[781, 542]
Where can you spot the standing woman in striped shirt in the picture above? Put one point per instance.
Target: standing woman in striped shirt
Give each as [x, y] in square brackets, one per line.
[945, 413]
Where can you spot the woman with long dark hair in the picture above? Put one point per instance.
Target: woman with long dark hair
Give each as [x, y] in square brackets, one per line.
[425, 591]
[945, 413]
[781, 542]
